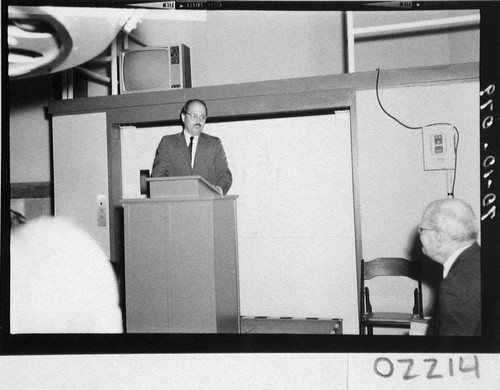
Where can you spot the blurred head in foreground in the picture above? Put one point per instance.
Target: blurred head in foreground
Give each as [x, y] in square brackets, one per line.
[61, 281]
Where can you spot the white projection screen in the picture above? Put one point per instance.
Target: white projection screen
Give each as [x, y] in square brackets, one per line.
[293, 178]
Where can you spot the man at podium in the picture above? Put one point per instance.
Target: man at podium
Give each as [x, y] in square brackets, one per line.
[192, 152]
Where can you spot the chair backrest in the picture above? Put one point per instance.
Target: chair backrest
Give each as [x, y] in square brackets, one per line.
[390, 266]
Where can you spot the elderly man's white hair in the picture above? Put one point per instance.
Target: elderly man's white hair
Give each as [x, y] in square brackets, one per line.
[61, 281]
[453, 217]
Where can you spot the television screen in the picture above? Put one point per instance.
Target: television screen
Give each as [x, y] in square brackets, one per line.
[155, 69]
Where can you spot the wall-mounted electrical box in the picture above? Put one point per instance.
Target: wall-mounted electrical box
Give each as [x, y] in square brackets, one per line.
[439, 147]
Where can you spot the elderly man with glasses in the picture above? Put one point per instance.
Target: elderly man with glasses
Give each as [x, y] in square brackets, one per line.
[448, 233]
[192, 152]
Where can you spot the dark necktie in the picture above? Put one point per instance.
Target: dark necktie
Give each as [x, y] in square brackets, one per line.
[190, 148]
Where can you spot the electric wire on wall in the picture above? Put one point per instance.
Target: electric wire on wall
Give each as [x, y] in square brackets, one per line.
[438, 143]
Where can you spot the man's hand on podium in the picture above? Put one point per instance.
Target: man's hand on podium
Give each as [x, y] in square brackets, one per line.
[219, 190]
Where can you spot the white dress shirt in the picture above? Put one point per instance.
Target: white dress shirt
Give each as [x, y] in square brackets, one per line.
[188, 136]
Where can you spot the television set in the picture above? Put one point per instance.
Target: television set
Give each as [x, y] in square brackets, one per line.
[155, 68]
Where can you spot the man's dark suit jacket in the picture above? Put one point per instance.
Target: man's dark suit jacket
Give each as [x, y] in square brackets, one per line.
[458, 312]
[172, 159]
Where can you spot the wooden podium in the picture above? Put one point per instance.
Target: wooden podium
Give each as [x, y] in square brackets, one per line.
[181, 259]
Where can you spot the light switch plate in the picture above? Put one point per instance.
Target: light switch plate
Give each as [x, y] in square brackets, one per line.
[102, 210]
[439, 147]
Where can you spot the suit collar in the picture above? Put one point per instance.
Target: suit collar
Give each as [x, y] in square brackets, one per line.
[466, 253]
